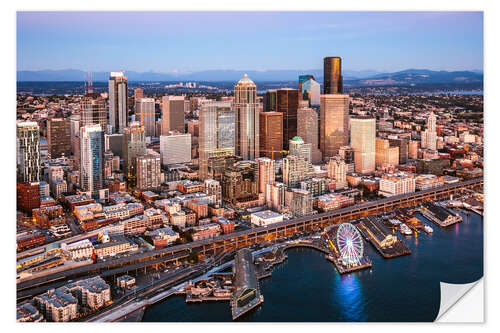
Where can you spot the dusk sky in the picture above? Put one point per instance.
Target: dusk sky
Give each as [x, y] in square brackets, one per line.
[193, 41]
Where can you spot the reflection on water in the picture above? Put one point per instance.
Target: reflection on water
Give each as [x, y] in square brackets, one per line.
[306, 287]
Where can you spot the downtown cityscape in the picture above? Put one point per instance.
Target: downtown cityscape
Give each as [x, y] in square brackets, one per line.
[192, 199]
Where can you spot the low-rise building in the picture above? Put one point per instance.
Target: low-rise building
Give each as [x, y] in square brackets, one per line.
[332, 201]
[395, 184]
[206, 231]
[115, 245]
[265, 218]
[81, 250]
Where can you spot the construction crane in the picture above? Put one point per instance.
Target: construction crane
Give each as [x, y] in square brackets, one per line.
[271, 151]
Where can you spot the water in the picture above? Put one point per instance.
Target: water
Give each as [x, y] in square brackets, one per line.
[306, 287]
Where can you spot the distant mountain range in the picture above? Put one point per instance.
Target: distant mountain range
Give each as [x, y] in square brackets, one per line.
[351, 77]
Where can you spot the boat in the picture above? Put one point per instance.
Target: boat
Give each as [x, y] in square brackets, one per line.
[428, 229]
[405, 230]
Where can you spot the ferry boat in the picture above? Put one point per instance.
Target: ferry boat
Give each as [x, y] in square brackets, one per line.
[428, 229]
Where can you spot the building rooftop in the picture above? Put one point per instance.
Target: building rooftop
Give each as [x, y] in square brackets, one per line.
[266, 214]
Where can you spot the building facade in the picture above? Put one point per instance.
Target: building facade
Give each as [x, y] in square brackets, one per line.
[28, 152]
[246, 119]
[118, 99]
[91, 158]
[334, 124]
[363, 143]
[172, 114]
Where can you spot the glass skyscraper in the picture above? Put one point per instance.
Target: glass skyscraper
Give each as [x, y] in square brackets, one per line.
[92, 158]
[332, 75]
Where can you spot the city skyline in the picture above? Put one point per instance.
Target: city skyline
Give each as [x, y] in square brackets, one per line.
[169, 40]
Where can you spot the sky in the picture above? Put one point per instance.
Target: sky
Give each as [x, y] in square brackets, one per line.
[194, 41]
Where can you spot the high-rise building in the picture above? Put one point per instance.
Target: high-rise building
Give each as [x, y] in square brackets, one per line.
[299, 148]
[363, 143]
[295, 170]
[172, 114]
[275, 196]
[175, 148]
[269, 101]
[246, 119]
[301, 203]
[133, 145]
[93, 111]
[271, 134]
[147, 115]
[337, 170]
[75, 122]
[148, 171]
[413, 149]
[309, 90]
[266, 173]
[213, 187]
[402, 144]
[138, 94]
[307, 129]
[332, 75]
[334, 124]
[288, 104]
[59, 137]
[114, 144]
[28, 196]
[28, 152]
[385, 154]
[216, 133]
[240, 182]
[91, 158]
[429, 136]
[118, 110]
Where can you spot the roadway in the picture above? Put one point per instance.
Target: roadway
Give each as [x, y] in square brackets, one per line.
[150, 257]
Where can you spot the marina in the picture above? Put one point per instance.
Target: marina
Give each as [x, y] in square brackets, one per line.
[386, 243]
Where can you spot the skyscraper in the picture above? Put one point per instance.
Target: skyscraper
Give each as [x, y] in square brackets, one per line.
[138, 94]
[216, 132]
[148, 171]
[247, 119]
[309, 90]
[332, 75]
[172, 114]
[91, 158]
[147, 115]
[363, 142]
[385, 154]
[269, 101]
[266, 173]
[59, 137]
[175, 148]
[93, 111]
[133, 145]
[300, 149]
[288, 104]
[118, 111]
[271, 134]
[296, 169]
[307, 129]
[334, 124]
[337, 170]
[28, 152]
[429, 136]
[75, 122]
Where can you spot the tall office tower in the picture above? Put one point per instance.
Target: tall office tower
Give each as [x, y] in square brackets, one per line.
[363, 142]
[172, 114]
[133, 145]
[246, 119]
[347, 154]
[148, 171]
[332, 75]
[266, 173]
[213, 187]
[295, 170]
[114, 143]
[429, 136]
[118, 110]
[75, 121]
[385, 154]
[147, 115]
[138, 94]
[28, 152]
[175, 148]
[271, 134]
[309, 90]
[240, 182]
[216, 133]
[300, 149]
[59, 137]
[337, 170]
[275, 196]
[402, 144]
[91, 159]
[93, 111]
[194, 128]
[334, 124]
[288, 104]
[413, 149]
[307, 129]
[269, 102]
[301, 203]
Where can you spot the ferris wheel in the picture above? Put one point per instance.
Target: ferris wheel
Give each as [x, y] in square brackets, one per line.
[350, 244]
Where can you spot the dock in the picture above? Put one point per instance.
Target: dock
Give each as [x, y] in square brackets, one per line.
[440, 216]
[387, 244]
[364, 264]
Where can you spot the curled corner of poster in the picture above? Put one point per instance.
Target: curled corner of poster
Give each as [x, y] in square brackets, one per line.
[461, 303]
